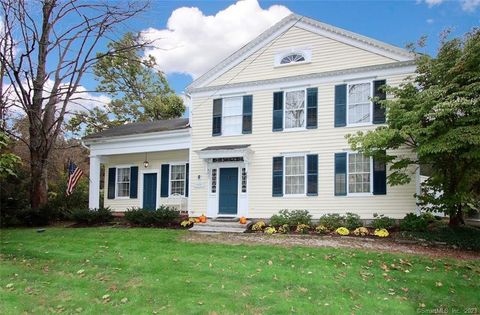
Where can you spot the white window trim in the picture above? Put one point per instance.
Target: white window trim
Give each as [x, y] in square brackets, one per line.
[348, 177]
[304, 110]
[370, 122]
[223, 111]
[116, 180]
[285, 156]
[170, 179]
[306, 53]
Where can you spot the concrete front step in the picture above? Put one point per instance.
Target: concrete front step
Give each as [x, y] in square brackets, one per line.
[213, 226]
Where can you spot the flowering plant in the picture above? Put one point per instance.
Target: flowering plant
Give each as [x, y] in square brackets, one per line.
[321, 229]
[284, 229]
[302, 228]
[342, 231]
[270, 230]
[259, 226]
[381, 233]
[361, 231]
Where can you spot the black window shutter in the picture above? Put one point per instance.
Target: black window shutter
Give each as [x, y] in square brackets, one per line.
[133, 181]
[217, 117]
[340, 105]
[341, 174]
[277, 111]
[277, 180]
[380, 94]
[164, 181]
[187, 168]
[312, 104]
[112, 177]
[312, 175]
[247, 114]
[379, 177]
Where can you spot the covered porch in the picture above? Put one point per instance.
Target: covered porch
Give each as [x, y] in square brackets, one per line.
[146, 165]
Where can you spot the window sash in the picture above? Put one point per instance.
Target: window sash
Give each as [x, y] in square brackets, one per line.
[359, 109]
[359, 173]
[177, 179]
[295, 107]
[295, 175]
[123, 182]
[232, 116]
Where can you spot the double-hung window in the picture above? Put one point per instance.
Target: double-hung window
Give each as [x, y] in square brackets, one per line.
[177, 179]
[232, 116]
[359, 173]
[359, 103]
[123, 182]
[295, 175]
[295, 109]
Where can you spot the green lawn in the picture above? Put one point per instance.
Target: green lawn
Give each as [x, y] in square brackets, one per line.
[149, 271]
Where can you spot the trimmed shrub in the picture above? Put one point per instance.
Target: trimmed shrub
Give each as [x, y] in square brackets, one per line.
[92, 216]
[331, 221]
[352, 221]
[381, 233]
[159, 217]
[270, 230]
[281, 218]
[382, 222]
[293, 217]
[413, 222]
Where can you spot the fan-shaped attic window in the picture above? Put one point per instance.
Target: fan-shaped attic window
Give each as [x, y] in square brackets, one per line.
[292, 58]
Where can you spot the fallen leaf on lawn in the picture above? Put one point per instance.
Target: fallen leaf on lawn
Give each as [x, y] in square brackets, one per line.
[421, 304]
[303, 290]
[124, 300]
[106, 298]
[270, 262]
[200, 302]
[404, 289]
[79, 309]
[80, 272]
[9, 286]
[438, 284]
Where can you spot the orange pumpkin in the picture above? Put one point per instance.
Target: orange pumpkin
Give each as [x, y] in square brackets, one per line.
[197, 220]
[243, 220]
[203, 218]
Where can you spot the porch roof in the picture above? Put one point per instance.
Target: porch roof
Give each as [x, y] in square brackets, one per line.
[226, 147]
[141, 128]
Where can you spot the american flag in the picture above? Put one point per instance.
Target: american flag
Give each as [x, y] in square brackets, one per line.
[74, 175]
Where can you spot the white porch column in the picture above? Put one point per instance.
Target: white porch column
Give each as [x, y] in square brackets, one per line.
[94, 185]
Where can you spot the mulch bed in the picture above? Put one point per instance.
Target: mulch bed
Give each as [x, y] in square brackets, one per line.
[388, 245]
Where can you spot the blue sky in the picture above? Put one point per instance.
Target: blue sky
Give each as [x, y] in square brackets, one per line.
[395, 22]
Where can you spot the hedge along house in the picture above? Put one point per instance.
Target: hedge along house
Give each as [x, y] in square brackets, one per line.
[267, 132]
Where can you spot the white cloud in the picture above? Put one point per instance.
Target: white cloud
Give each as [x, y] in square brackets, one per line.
[430, 21]
[467, 5]
[432, 3]
[82, 100]
[193, 42]
[470, 5]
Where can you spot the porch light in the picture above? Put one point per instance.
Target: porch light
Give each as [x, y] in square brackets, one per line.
[145, 163]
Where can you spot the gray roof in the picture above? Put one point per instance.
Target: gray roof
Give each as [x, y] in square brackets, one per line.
[226, 147]
[142, 127]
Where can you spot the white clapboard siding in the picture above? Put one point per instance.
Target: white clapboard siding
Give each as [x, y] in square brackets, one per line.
[155, 159]
[324, 141]
[327, 55]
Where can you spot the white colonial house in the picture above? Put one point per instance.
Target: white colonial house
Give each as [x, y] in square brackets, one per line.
[266, 132]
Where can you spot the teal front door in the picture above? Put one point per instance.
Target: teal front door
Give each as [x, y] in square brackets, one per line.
[228, 199]
[149, 191]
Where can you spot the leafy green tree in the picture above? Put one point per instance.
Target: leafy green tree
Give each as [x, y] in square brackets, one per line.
[139, 91]
[436, 114]
[8, 161]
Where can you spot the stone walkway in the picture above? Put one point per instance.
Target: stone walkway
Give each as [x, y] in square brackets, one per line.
[367, 244]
